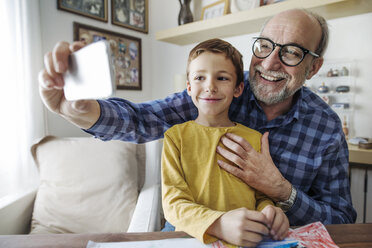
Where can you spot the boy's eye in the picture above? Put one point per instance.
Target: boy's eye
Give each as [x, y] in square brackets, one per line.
[199, 78]
[222, 78]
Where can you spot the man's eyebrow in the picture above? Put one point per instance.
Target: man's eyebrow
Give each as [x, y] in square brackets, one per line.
[289, 43]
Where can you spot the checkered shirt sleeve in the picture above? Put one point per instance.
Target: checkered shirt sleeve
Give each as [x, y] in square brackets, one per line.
[141, 122]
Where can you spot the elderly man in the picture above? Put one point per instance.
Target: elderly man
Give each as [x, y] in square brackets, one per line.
[305, 167]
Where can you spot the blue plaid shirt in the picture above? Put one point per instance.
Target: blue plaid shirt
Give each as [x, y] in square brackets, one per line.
[306, 144]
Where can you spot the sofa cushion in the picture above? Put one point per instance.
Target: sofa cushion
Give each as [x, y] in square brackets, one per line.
[86, 185]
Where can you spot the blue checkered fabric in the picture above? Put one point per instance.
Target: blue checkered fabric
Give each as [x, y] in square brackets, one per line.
[306, 144]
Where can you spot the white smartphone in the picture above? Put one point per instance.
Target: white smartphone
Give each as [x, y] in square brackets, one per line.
[91, 73]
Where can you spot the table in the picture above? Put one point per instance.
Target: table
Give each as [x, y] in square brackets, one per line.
[351, 235]
[359, 155]
[345, 235]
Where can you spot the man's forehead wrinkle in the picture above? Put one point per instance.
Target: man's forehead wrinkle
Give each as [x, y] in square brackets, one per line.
[284, 30]
[280, 31]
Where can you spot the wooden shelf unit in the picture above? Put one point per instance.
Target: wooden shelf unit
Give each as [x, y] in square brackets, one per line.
[251, 21]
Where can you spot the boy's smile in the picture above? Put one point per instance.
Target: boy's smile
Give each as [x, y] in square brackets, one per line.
[210, 99]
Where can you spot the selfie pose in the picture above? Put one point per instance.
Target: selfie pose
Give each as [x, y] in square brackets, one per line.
[303, 162]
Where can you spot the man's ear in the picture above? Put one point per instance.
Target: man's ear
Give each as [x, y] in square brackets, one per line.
[188, 87]
[316, 65]
[239, 89]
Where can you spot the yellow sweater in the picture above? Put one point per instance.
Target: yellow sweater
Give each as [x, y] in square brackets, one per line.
[195, 190]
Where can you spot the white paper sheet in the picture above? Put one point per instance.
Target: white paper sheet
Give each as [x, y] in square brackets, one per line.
[164, 243]
[186, 243]
[314, 235]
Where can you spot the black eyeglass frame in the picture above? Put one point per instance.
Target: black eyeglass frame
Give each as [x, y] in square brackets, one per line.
[304, 50]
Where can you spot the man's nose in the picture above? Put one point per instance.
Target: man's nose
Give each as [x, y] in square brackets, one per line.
[272, 62]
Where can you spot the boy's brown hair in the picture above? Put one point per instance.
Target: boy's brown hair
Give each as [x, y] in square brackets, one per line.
[219, 46]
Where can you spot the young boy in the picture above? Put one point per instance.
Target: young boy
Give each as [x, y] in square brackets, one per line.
[199, 197]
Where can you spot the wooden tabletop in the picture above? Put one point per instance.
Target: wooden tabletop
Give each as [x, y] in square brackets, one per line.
[351, 235]
[345, 236]
[359, 155]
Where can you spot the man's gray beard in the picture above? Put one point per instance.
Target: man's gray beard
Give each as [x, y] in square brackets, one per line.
[269, 97]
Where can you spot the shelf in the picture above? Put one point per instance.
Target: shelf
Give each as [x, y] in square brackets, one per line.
[332, 96]
[250, 21]
[343, 111]
[323, 77]
[333, 93]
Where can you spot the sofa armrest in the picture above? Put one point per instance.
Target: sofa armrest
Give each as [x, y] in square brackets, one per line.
[147, 214]
[16, 213]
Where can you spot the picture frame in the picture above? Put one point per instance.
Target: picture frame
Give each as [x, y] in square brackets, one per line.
[243, 5]
[96, 9]
[268, 2]
[126, 51]
[132, 14]
[216, 9]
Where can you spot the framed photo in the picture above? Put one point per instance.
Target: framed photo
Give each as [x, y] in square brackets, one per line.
[131, 14]
[126, 52]
[215, 9]
[267, 2]
[96, 9]
[242, 5]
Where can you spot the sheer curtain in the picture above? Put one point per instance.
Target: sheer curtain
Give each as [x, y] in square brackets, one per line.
[21, 110]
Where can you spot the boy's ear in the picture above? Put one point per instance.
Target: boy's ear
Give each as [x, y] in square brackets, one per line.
[239, 90]
[188, 87]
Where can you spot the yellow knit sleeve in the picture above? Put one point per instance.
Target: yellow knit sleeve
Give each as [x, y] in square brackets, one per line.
[262, 201]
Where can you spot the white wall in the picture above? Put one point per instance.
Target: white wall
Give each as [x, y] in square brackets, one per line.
[349, 39]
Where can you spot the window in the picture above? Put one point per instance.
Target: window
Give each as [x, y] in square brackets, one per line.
[20, 106]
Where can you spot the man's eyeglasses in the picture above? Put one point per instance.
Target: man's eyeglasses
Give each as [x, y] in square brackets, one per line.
[289, 54]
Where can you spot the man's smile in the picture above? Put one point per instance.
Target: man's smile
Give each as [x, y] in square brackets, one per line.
[270, 78]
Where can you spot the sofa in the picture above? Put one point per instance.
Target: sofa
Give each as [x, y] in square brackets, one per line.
[89, 186]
